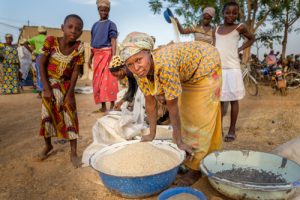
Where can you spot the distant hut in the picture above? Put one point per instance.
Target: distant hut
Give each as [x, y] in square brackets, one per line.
[30, 31]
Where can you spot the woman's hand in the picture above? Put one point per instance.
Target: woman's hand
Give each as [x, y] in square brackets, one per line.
[48, 94]
[185, 147]
[148, 138]
[119, 104]
[70, 100]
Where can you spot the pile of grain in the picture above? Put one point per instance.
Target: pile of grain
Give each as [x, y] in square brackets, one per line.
[183, 196]
[138, 159]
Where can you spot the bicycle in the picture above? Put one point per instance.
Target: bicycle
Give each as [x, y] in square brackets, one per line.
[292, 80]
[250, 82]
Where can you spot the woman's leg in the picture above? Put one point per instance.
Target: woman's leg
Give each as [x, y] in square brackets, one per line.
[103, 107]
[73, 155]
[112, 105]
[233, 118]
[48, 147]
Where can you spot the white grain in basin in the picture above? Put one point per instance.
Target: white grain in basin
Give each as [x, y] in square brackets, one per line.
[138, 159]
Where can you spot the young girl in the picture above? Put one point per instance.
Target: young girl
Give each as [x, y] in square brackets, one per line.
[60, 62]
[103, 42]
[226, 40]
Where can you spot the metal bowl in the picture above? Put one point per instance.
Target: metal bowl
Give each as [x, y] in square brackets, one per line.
[179, 190]
[233, 159]
[138, 186]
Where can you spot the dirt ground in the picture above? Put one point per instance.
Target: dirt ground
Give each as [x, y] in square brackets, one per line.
[265, 122]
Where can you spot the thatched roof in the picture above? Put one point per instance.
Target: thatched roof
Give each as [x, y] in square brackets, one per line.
[30, 31]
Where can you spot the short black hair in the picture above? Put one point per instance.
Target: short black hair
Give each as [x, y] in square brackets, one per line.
[230, 3]
[75, 16]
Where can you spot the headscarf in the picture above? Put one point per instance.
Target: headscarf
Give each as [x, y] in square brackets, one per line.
[116, 64]
[104, 3]
[7, 35]
[209, 10]
[134, 43]
[23, 41]
[42, 29]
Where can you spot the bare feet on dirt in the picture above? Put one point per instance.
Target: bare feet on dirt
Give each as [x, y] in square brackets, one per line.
[76, 161]
[45, 153]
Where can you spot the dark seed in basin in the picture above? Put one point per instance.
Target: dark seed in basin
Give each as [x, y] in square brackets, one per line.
[249, 175]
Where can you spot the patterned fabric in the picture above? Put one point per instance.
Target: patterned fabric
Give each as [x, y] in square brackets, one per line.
[202, 35]
[180, 63]
[10, 70]
[200, 115]
[134, 43]
[59, 119]
[116, 61]
[105, 85]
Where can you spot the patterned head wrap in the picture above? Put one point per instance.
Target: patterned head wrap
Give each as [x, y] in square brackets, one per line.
[134, 43]
[116, 64]
[209, 10]
[8, 35]
[104, 3]
[23, 41]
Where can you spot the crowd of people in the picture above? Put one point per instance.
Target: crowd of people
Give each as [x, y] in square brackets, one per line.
[194, 81]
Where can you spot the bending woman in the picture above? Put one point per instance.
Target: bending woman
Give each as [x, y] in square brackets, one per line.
[188, 76]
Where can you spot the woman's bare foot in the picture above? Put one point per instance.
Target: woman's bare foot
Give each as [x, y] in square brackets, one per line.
[103, 109]
[45, 153]
[76, 161]
[189, 178]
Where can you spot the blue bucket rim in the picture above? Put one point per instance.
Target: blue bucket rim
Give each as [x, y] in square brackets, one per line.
[178, 190]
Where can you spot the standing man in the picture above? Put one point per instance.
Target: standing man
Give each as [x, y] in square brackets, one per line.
[37, 43]
[103, 46]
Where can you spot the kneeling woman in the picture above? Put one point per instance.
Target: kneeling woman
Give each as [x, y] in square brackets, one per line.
[189, 76]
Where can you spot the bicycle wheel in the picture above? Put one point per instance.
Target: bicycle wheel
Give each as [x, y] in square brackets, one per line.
[250, 86]
[292, 80]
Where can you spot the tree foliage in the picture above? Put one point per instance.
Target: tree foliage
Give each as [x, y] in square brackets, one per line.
[254, 13]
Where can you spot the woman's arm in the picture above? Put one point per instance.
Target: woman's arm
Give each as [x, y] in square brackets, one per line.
[183, 30]
[114, 46]
[74, 78]
[244, 31]
[151, 110]
[43, 71]
[91, 59]
[173, 109]
[214, 36]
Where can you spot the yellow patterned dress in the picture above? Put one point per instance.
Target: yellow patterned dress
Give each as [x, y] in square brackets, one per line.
[10, 70]
[59, 119]
[190, 71]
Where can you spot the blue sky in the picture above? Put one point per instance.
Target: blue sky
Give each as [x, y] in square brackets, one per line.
[129, 15]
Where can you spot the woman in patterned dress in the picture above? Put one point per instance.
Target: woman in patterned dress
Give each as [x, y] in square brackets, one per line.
[10, 67]
[60, 63]
[187, 77]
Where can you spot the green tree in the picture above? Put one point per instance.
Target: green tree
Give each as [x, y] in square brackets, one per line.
[253, 13]
[265, 39]
[284, 18]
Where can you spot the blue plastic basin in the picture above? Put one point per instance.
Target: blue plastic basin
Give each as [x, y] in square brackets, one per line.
[179, 190]
[168, 14]
[137, 187]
